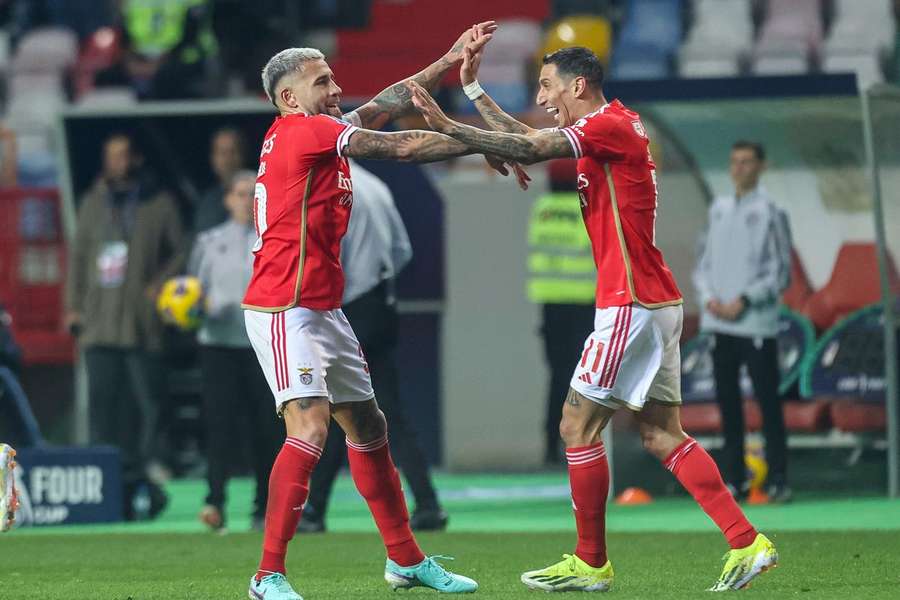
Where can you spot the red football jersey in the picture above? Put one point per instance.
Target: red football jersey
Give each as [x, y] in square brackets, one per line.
[301, 207]
[617, 187]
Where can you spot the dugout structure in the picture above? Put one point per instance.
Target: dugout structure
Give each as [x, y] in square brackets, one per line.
[173, 139]
[881, 130]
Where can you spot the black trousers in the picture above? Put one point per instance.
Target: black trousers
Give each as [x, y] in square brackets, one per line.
[761, 357]
[237, 405]
[374, 321]
[563, 330]
[126, 388]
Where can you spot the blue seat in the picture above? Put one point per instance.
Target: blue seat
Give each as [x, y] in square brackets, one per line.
[640, 61]
[650, 36]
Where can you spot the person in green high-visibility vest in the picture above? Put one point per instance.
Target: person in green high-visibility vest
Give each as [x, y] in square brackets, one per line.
[562, 278]
[167, 46]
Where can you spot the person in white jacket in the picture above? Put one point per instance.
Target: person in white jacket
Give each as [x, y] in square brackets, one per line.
[743, 267]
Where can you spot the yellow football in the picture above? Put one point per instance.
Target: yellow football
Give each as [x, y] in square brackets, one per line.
[180, 302]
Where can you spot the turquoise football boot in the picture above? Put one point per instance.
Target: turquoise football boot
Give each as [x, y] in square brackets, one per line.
[428, 573]
[272, 587]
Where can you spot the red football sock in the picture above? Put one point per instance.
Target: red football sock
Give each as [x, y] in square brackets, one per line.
[699, 475]
[288, 488]
[589, 480]
[377, 480]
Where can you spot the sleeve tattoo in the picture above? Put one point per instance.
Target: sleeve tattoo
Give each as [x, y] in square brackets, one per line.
[526, 149]
[497, 119]
[414, 146]
[396, 100]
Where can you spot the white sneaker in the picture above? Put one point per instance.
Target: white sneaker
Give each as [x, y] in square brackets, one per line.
[9, 501]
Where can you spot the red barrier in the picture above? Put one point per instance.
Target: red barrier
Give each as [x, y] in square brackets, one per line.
[33, 272]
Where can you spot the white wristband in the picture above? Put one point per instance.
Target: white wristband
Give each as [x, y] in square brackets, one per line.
[473, 90]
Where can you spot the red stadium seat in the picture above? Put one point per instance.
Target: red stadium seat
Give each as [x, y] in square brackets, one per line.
[854, 284]
[852, 416]
[700, 418]
[799, 290]
[404, 46]
[799, 416]
[807, 416]
[32, 272]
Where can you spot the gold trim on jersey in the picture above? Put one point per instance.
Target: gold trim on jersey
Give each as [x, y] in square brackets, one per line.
[625, 256]
[299, 284]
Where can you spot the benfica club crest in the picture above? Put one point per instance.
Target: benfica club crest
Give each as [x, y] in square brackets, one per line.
[306, 375]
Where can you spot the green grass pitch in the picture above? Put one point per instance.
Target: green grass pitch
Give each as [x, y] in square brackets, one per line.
[345, 566]
[501, 525]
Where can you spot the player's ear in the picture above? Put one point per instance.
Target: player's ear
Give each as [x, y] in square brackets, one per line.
[287, 97]
[578, 86]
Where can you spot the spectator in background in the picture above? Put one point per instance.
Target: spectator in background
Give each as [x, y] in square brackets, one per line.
[562, 279]
[744, 265]
[374, 251]
[226, 157]
[236, 398]
[167, 46]
[128, 241]
[9, 158]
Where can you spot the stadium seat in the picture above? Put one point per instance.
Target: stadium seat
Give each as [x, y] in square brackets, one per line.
[854, 283]
[791, 38]
[720, 39]
[47, 50]
[797, 293]
[590, 31]
[404, 46]
[703, 418]
[640, 61]
[649, 38]
[807, 416]
[861, 37]
[504, 69]
[859, 25]
[854, 416]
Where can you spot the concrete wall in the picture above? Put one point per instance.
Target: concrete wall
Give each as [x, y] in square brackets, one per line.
[493, 373]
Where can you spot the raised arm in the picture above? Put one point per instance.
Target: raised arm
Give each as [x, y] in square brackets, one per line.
[410, 146]
[536, 146]
[396, 100]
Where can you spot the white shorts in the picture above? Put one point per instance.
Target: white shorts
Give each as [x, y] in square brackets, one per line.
[308, 353]
[632, 354]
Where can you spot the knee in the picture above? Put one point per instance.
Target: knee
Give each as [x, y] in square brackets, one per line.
[574, 432]
[314, 431]
[375, 426]
[368, 426]
[307, 420]
[659, 442]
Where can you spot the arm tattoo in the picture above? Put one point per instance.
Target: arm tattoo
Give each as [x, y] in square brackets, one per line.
[497, 119]
[396, 100]
[525, 149]
[572, 398]
[414, 145]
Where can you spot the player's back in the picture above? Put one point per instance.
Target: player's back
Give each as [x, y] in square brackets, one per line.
[301, 207]
[617, 186]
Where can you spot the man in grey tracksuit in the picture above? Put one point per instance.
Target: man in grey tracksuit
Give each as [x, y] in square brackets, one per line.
[743, 266]
[236, 399]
